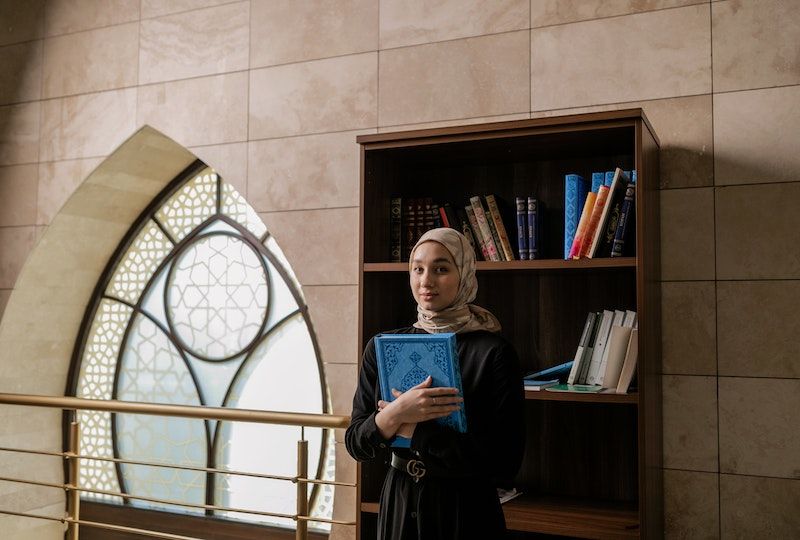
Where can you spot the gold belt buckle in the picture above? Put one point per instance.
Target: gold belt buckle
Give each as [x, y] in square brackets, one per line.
[415, 469]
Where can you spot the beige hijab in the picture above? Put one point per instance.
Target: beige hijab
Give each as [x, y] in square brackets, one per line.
[460, 316]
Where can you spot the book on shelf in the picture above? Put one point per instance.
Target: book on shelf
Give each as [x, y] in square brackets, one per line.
[506, 495]
[497, 219]
[626, 223]
[607, 225]
[598, 178]
[617, 320]
[589, 350]
[580, 388]
[574, 198]
[609, 178]
[580, 353]
[476, 230]
[594, 220]
[537, 386]
[466, 229]
[547, 377]
[522, 227]
[583, 224]
[534, 223]
[617, 348]
[409, 226]
[406, 360]
[483, 226]
[600, 346]
[395, 229]
[629, 364]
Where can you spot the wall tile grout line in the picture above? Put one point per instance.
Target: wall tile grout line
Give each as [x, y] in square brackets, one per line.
[619, 16]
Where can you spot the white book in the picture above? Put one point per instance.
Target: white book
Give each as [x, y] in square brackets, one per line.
[629, 365]
[575, 371]
[631, 321]
[617, 348]
[619, 317]
[599, 347]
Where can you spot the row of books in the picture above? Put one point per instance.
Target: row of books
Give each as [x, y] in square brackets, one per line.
[599, 222]
[480, 221]
[605, 359]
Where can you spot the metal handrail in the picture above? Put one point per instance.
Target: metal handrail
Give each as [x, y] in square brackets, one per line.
[73, 456]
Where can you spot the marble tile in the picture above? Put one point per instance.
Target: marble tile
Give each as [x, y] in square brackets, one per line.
[67, 16]
[314, 171]
[688, 328]
[757, 418]
[230, 161]
[16, 244]
[195, 43]
[690, 422]
[19, 133]
[4, 296]
[211, 110]
[91, 61]
[687, 234]
[466, 78]
[320, 245]
[334, 314]
[756, 228]
[342, 380]
[345, 503]
[683, 126]
[90, 125]
[755, 44]
[418, 21]
[57, 181]
[458, 122]
[18, 185]
[752, 507]
[550, 12]
[645, 56]
[691, 505]
[750, 136]
[284, 31]
[21, 72]
[334, 94]
[345, 465]
[157, 8]
[22, 21]
[758, 328]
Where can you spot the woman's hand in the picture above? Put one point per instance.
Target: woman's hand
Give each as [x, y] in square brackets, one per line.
[419, 404]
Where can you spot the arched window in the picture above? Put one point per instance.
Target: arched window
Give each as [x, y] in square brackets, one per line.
[200, 307]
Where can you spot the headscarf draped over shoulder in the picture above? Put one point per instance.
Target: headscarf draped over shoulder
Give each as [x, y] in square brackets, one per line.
[460, 316]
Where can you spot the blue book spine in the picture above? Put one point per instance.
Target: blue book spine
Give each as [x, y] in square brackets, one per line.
[533, 228]
[574, 197]
[551, 372]
[609, 178]
[625, 215]
[597, 180]
[632, 176]
[522, 228]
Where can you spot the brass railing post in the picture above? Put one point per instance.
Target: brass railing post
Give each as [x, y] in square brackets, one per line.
[73, 495]
[302, 489]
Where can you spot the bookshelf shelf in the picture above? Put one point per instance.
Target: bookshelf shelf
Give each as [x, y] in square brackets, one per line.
[541, 264]
[593, 465]
[585, 519]
[544, 395]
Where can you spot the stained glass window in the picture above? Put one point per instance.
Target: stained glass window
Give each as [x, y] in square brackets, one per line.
[202, 308]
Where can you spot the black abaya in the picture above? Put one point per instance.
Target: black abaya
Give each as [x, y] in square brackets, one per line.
[457, 499]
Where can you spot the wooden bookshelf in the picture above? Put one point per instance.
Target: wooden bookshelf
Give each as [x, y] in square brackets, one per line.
[592, 467]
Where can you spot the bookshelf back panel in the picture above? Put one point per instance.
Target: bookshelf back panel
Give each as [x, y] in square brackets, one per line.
[542, 313]
[532, 165]
[582, 450]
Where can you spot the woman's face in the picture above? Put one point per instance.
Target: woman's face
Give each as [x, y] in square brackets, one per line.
[434, 276]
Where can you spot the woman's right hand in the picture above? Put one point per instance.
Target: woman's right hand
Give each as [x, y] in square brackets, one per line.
[418, 404]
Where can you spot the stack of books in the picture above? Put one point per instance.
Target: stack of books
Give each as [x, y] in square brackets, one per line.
[599, 222]
[606, 356]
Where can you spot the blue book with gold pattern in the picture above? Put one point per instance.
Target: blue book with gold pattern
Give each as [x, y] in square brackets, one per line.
[405, 360]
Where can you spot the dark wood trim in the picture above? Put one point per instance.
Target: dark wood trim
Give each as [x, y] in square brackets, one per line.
[571, 122]
[185, 524]
[539, 264]
[544, 395]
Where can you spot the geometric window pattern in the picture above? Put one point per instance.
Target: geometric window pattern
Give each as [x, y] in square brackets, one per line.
[202, 308]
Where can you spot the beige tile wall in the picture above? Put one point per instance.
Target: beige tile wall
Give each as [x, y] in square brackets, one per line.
[273, 94]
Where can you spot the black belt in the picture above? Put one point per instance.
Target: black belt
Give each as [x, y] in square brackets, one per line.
[415, 468]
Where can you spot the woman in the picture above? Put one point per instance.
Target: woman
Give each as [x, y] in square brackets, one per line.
[456, 498]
